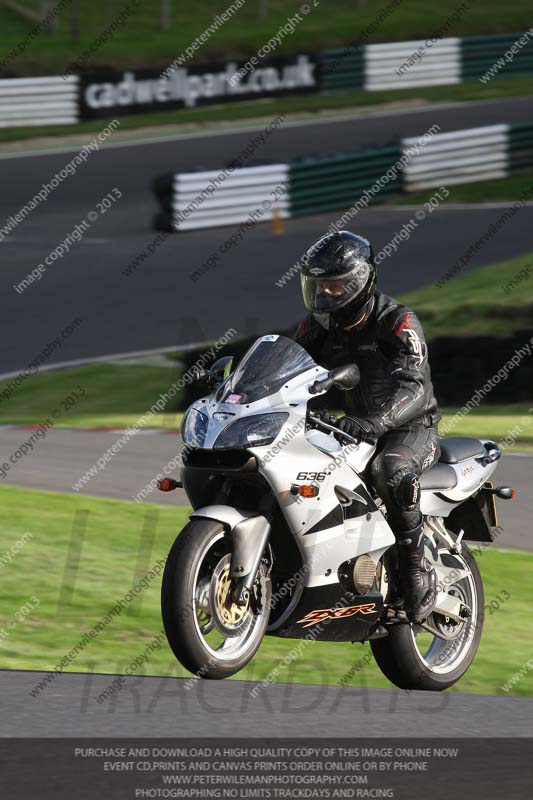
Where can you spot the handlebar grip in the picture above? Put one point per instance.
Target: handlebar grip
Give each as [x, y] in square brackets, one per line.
[326, 428]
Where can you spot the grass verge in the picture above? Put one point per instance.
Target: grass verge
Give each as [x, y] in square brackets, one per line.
[140, 41]
[504, 189]
[118, 396]
[114, 396]
[114, 556]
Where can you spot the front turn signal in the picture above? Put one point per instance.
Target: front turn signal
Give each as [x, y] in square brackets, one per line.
[305, 490]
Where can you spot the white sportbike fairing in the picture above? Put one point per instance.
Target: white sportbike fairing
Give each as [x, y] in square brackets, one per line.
[293, 499]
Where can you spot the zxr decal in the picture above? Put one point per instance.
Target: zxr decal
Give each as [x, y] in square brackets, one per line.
[335, 613]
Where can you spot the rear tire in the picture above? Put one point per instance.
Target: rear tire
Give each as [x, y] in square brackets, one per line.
[400, 660]
[200, 544]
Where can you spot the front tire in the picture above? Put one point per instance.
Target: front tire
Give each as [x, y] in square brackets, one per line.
[408, 665]
[192, 603]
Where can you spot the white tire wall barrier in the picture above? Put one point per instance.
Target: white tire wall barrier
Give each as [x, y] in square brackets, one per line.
[404, 65]
[307, 186]
[39, 101]
[208, 199]
[475, 154]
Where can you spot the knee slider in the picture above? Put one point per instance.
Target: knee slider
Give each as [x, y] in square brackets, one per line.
[407, 491]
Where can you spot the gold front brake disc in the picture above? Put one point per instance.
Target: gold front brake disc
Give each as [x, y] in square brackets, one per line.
[228, 615]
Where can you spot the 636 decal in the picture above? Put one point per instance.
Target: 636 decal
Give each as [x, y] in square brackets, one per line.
[311, 476]
[335, 613]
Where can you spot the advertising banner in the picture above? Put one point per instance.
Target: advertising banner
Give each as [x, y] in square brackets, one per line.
[110, 92]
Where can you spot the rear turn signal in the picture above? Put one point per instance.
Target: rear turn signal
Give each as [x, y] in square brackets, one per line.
[305, 490]
[505, 492]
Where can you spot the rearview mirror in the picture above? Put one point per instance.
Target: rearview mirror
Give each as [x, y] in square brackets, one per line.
[220, 370]
[346, 377]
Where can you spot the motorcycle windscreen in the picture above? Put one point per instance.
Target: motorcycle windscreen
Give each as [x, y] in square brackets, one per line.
[268, 364]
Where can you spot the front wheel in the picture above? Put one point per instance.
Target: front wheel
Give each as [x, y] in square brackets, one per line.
[210, 636]
[412, 658]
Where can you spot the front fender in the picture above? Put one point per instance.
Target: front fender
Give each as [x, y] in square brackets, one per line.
[249, 534]
[227, 515]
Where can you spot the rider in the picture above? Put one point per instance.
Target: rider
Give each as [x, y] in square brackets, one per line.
[351, 320]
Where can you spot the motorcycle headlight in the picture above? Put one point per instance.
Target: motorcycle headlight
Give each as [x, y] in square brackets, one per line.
[253, 431]
[194, 428]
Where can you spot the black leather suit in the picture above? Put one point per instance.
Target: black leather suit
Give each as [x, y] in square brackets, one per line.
[395, 393]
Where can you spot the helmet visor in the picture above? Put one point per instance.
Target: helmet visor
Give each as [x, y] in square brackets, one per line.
[325, 294]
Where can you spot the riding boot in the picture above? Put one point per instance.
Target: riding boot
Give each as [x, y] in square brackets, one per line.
[418, 581]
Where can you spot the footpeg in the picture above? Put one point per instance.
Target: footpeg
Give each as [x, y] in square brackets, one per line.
[394, 615]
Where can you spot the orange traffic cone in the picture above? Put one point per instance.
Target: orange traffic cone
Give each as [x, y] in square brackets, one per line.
[278, 228]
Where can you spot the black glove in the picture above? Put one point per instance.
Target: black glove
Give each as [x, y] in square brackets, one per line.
[364, 430]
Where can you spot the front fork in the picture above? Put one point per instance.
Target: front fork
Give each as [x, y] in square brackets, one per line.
[250, 538]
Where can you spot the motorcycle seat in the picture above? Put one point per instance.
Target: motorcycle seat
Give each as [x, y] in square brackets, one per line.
[457, 448]
[439, 476]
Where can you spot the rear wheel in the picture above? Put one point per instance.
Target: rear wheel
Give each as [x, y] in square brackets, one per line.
[211, 636]
[412, 658]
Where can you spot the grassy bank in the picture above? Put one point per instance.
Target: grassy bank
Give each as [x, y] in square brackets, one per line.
[505, 189]
[497, 299]
[138, 40]
[114, 558]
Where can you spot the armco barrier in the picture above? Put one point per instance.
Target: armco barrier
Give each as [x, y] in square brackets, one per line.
[479, 54]
[314, 185]
[38, 101]
[207, 199]
[342, 69]
[520, 147]
[323, 184]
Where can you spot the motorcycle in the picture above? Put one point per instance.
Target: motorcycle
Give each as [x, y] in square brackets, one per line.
[288, 538]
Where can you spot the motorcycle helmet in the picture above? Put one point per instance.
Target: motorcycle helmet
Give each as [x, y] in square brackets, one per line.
[338, 275]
